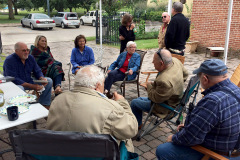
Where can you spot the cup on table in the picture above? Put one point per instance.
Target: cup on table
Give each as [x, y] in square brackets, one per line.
[12, 113]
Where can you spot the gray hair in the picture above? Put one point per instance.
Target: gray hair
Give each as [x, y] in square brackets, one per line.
[131, 43]
[178, 7]
[89, 76]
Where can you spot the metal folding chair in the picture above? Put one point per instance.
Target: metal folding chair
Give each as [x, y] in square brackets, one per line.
[190, 92]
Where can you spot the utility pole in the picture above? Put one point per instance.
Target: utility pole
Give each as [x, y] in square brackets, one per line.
[48, 8]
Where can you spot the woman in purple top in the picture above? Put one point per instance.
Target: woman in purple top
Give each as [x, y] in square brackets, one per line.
[82, 55]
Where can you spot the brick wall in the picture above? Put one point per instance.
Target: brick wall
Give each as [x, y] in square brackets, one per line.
[209, 23]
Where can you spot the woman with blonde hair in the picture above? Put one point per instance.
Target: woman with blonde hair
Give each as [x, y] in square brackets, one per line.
[126, 31]
[49, 66]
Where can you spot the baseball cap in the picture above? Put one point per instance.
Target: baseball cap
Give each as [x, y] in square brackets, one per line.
[213, 67]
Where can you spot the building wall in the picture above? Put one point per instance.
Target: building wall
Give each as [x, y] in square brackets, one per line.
[209, 23]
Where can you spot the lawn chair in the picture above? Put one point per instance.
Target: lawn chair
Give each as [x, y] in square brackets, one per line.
[62, 145]
[236, 76]
[98, 62]
[148, 73]
[190, 92]
[122, 84]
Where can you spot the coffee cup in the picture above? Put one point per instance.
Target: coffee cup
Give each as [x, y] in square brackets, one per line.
[12, 113]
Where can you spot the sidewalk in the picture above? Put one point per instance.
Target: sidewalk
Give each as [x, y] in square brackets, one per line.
[147, 146]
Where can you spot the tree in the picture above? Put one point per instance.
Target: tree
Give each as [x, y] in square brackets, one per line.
[26, 4]
[59, 5]
[10, 8]
[86, 4]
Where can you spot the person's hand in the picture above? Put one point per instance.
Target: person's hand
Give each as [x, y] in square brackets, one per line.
[121, 38]
[169, 139]
[79, 67]
[37, 87]
[130, 72]
[149, 83]
[180, 126]
[117, 96]
[132, 26]
[45, 79]
[108, 71]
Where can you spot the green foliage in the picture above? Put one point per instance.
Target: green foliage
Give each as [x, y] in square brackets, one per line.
[91, 38]
[189, 8]
[147, 35]
[26, 4]
[141, 27]
[86, 4]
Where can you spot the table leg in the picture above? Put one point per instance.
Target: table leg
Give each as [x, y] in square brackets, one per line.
[34, 124]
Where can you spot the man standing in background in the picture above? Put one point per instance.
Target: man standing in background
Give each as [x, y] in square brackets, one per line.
[178, 30]
[163, 29]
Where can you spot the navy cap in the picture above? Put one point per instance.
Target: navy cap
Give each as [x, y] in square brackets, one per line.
[213, 67]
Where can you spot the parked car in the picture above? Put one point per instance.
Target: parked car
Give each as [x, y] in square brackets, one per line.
[38, 20]
[90, 18]
[66, 19]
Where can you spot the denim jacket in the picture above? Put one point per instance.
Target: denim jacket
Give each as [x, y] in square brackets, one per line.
[134, 64]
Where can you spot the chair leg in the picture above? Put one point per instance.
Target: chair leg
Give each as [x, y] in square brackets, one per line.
[124, 91]
[138, 90]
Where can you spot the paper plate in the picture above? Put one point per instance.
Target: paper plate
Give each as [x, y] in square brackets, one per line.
[22, 98]
[22, 108]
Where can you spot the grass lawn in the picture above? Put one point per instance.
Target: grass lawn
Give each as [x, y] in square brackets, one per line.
[141, 44]
[147, 43]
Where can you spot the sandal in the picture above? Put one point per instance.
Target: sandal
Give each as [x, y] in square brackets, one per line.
[58, 90]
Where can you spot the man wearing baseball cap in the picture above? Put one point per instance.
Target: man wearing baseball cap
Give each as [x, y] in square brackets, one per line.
[215, 121]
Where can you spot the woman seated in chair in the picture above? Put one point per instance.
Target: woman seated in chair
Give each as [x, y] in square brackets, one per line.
[49, 66]
[128, 61]
[82, 55]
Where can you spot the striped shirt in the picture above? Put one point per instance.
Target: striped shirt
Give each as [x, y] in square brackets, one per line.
[215, 121]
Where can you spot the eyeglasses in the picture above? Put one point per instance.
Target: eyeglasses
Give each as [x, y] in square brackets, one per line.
[164, 17]
[159, 54]
[25, 50]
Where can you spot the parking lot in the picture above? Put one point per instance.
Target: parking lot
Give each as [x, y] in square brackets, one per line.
[15, 33]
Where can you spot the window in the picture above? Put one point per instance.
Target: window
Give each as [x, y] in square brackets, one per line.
[91, 13]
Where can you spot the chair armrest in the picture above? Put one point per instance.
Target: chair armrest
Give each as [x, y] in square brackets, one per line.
[144, 84]
[208, 153]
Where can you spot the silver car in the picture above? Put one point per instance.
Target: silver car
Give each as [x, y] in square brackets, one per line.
[66, 19]
[38, 20]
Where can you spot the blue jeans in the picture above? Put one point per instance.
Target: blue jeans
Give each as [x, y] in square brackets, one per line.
[113, 76]
[170, 151]
[45, 97]
[57, 80]
[139, 105]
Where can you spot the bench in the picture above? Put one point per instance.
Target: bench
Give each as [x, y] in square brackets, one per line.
[214, 50]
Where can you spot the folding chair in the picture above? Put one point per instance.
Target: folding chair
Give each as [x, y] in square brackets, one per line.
[62, 145]
[122, 84]
[191, 91]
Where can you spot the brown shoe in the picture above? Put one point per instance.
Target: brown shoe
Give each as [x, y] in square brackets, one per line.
[109, 95]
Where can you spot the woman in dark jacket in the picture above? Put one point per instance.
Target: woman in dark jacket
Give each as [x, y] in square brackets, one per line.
[126, 31]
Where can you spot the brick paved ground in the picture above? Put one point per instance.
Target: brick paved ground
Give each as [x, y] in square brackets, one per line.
[147, 146]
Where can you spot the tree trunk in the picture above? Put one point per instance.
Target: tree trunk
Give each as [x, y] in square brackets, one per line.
[15, 7]
[70, 8]
[10, 13]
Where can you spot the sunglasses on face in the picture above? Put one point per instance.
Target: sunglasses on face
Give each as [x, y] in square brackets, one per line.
[159, 54]
[164, 17]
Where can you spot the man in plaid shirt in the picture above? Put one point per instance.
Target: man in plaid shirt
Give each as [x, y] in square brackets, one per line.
[214, 123]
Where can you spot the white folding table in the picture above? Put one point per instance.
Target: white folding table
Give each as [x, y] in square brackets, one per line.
[35, 112]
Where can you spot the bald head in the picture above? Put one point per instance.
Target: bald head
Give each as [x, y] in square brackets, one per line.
[165, 17]
[21, 50]
[162, 59]
[166, 56]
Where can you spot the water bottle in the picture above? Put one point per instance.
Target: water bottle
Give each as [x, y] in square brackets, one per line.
[135, 31]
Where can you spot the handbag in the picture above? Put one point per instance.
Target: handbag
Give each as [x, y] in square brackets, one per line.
[126, 155]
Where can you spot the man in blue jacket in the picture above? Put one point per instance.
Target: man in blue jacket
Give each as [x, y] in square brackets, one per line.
[128, 61]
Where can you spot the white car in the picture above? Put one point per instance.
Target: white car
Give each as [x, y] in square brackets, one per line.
[89, 18]
[38, 20]
[66, 19]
